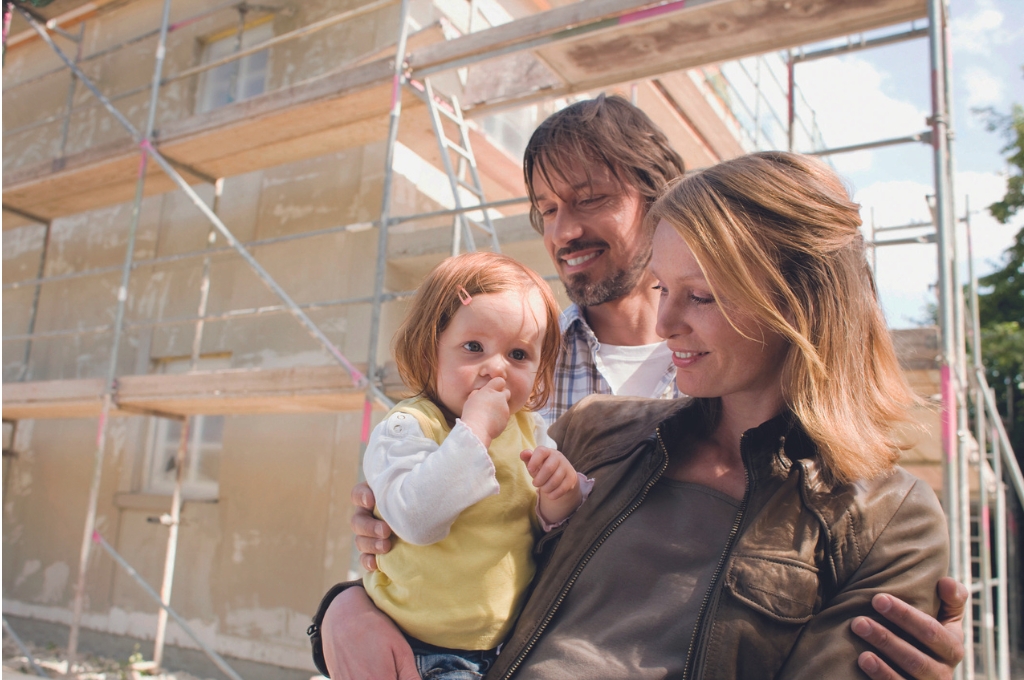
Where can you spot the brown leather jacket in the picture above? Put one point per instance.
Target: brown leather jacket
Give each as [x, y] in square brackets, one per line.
[803, 558]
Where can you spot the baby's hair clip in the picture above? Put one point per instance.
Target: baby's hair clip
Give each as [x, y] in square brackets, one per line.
[465, 296]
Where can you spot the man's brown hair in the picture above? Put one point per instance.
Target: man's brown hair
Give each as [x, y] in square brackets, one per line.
[438, 300]
[607, 131]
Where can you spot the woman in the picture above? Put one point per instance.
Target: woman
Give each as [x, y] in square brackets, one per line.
[736, 534]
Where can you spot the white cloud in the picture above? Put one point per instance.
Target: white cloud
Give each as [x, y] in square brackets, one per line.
[983, 88]
[906, 273]
[978, 32]
[895, 203]
[852, 108]
[989, 238]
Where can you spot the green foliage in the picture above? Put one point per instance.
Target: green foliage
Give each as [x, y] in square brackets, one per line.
[1012, 127]
[1001, 297]
[1004, 345]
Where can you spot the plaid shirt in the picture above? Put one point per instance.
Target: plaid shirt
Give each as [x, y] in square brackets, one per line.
[579, 368]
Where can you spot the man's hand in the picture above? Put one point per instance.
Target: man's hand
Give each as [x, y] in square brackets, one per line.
[371, 533]
[361, 642]
[486, 410]
[943, 637]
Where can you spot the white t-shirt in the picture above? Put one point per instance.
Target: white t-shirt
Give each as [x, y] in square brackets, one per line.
[634, 371]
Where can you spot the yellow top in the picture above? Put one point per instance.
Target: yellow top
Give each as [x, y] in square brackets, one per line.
[465, 591]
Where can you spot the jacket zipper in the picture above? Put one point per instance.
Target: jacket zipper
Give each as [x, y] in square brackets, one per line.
[586, 558]
[718, 569]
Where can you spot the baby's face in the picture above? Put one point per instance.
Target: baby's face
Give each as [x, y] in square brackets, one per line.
[497, 335]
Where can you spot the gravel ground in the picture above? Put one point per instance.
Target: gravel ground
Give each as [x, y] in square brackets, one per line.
[53, 661]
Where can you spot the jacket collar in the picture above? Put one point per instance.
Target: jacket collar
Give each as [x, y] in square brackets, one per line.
[769, 449]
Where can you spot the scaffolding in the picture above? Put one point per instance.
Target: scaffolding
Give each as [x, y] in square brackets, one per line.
[575, 48]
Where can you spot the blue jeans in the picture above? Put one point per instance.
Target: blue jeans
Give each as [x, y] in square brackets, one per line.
[440, 663]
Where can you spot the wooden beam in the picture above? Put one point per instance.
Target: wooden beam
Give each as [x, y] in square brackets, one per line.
[918, 348]
[53, 399]
[522, 31]
[301, 389]
[699, 34]
[708, 125]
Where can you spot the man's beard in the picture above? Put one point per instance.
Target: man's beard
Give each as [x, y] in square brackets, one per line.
[586, 293]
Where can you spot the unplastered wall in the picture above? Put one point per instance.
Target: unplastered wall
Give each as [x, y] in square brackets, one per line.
[35, 88]
[44, 510]
[334, 190]
[251, 567]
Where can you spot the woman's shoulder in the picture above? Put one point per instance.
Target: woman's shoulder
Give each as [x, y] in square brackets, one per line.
[601, 422]
[860, 513]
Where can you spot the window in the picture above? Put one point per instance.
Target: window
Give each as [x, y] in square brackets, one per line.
[205, 443]
[202, 460]
[237, 80]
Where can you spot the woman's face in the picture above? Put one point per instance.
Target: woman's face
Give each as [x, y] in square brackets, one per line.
[712, 358]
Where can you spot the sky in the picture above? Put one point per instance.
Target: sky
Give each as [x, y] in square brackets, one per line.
[884, 93]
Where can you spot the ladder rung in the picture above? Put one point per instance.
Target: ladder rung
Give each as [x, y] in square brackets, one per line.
[458, 149]
[479, 225]
[450, 115]
[473, 189]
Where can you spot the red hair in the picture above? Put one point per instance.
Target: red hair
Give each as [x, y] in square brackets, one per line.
[437, 301]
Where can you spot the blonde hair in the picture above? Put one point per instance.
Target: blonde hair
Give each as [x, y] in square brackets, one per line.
[437, 301]
[778, 237]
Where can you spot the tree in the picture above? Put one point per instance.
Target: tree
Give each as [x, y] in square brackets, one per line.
[1001, 304]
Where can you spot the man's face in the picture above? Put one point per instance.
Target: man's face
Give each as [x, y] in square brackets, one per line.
[593, 233]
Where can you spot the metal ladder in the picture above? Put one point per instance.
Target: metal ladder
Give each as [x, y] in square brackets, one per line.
[463, 224]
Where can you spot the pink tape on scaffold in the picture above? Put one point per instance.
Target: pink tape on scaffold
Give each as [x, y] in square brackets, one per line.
[396, 86]
[984, 521]
[99, 430]
[145, 146]
[364, 437]
[651, 12]
[948, 435]
[96, 537]
[182, 24]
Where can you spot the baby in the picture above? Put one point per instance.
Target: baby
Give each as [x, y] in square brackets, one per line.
[447, 467]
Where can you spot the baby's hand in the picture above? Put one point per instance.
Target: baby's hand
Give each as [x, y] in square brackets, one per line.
[486, 410]
[552, 473]
[558, 487]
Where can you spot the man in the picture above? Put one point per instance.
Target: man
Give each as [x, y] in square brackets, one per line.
[592, 171]
[590, 213]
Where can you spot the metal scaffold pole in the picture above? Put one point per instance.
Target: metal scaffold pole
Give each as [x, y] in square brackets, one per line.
[173, 520]
[372, 391]
[963, 428]
[986, 601]
[385, 211]
[944, 225]
[122, 299]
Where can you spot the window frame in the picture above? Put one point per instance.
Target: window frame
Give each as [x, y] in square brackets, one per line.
[208, 93]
